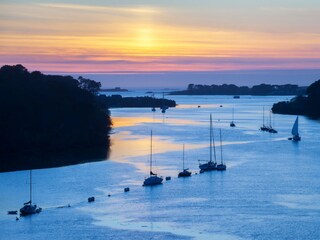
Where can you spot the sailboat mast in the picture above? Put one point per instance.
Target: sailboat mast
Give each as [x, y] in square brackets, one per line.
[210, 138]
[270, 119]
[183, 157]
[151, 154]
[30, 186]
[221, 146]
[232, 114]
[214, 146]
[263, 116]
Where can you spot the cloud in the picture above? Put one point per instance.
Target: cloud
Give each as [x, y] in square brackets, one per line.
[100, 8]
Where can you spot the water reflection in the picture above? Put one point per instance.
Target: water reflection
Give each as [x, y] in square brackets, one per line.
[134, 121]
[52, 160]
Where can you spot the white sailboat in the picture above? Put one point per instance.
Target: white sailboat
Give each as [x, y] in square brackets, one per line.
[221, 166]
[210, 165]
[153, 179]
[185, 172]
[232, 124]
[295, 131]
[28, 208]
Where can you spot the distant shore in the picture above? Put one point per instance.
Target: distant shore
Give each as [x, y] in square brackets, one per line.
[116, 89]
[231, 89]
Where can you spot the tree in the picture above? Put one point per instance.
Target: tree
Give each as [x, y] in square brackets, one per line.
[89, 85]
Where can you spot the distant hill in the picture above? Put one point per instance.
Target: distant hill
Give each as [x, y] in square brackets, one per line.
[231, 89]
[308, 104]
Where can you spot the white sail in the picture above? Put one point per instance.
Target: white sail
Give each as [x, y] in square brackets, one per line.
[294, 130]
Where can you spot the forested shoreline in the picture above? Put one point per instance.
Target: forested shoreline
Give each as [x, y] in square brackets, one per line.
[48, 115]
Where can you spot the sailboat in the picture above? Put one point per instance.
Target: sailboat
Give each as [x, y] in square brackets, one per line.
[263, 127]
[221, 166]
[271, 129]
[185, 172]
[232, 124]
[153, 179]
[28, 208]
[210, 165]
[295, 131]
[163, 107]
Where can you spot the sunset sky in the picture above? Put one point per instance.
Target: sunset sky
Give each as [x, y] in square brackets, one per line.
[118, 37]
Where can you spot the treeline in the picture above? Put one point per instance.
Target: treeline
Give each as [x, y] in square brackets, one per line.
[43, 115]
[231, 89]
[117, 101]
[308, 105]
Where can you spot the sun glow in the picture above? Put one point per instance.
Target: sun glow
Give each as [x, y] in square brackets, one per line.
[145, 38]
[139, 38]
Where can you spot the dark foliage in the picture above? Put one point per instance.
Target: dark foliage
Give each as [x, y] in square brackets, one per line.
[231, 89]
[47, 115]
[116, 101]
[302, 105]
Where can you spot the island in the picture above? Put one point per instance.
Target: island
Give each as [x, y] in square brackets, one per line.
[116, 89]
[50, 120]
[117, 101]
[231, 89]
[308, 104]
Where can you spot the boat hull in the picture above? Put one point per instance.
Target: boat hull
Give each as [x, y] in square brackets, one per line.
[221, 167]
[209, 166]
[295, 138]
[152, 180]
[184, 173]
[29, 209]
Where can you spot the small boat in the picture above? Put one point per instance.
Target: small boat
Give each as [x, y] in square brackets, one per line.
[232, 124]
[236, 97]
[221, 166]
[185, 172]
[28, 208]
[153, 179]
[153, 109]
[210, 165]
[295, 131]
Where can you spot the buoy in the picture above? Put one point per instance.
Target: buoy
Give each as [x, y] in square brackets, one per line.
[126, 189]
[17, 219]
[109, 195]
[168, 178]
[91, 199]
[12, 212]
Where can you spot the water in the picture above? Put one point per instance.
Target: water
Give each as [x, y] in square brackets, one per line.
[271, 189]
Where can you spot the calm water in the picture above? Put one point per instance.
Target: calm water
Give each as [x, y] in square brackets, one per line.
[271, 189]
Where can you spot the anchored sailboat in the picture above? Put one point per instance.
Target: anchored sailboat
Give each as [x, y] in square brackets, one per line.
[295, 131]
[153, 179]
[263, 127]
[221, 166]
[28, 208]
[232, 124]
[210, 165]
[271, 129]
[185, 172]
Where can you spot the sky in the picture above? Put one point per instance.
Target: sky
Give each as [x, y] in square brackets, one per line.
[159, 42]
